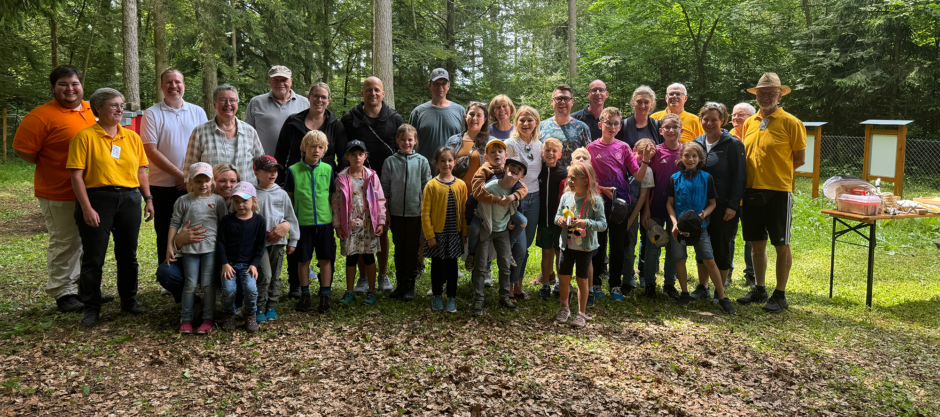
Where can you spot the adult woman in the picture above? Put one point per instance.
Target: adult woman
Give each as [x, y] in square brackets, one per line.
[107, 164]
[501, 112]
[641, 125]
[524, 145]
[724, 161]
[469, 144]
[225, 138]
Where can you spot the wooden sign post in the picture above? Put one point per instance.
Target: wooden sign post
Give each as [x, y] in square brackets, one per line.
[4, 135]
[811, 167]
[884, 151]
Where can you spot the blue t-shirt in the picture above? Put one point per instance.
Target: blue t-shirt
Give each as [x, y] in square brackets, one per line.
[573, 135]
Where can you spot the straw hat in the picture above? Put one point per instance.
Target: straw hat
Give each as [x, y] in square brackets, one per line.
[770, 79]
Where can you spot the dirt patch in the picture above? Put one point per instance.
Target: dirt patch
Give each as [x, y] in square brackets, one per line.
[26, 224]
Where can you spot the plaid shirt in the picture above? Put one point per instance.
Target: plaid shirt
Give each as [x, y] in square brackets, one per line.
[208, 144]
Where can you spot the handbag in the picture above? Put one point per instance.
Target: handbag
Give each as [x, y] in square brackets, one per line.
[462, 165]
[619, 209]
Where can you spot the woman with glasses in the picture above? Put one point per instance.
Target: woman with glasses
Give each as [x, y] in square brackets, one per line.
[524, 145]
[469, 144]
[641, 125]
[225, 138]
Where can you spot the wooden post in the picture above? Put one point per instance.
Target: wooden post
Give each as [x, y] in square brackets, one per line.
[811, 167]
[4, 135]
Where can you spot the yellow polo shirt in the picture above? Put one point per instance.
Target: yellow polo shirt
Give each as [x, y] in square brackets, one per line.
[769, 152]
[96, 152]
[691, 126]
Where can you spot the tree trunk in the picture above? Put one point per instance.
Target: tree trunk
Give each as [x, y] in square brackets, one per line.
[54, 27]
[160, 61]
[210, 78]
[572, 44]
[131, 56]
[234, 45]
[326, 41]
[450, 39]
[806, 12]
[382, 64]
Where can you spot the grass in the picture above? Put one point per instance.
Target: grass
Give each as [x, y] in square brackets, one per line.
[826, 355]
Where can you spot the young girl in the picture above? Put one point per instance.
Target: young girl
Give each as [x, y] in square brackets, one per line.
[442, 219]
[240, 246]
[693, 189]
[358, 217]
[200, 206]
[581, 215]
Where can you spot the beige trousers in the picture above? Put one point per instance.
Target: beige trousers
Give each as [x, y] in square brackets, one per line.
[64, 255]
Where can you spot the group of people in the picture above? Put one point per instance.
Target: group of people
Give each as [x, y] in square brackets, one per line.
[231, 198]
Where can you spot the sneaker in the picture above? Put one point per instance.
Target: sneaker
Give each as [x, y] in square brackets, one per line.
[270, 314]
[650, 291]
[563, 314]
[186, 326]
[384, 283]
[371, 297]
[615, 294]
[451, 306]
[624, 290]
[671, 292]
[478, 308]
[459, 274]
[578, 321]
[508, 305]
[164, 292]
[398, 292]
[133, 308]
[545, 292]
[362, 285]
[599, 293]
[555, 290]
[590, 302]
[90, 319]
[106, 298]
[409, 295]
[684, 299]
[251, 324]
[585, 316]
[725, 304]
[488, 281]
[776, 304]
[228, 323]
[69, 304]
[261, 317]
[303, 304]
[348, 297]
[324, 306]
[205, 327]
[755, 295]
[437, 303]
[430, 292]
[468, 264]
[749, 281]
[700, 293]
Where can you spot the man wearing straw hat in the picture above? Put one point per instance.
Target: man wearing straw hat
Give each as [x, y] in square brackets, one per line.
[775, 145]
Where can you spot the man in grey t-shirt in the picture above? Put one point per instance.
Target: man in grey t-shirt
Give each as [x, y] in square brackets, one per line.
[437, 119]
[267, 112]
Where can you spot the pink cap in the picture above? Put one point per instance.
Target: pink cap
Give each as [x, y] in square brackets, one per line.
[200, 168]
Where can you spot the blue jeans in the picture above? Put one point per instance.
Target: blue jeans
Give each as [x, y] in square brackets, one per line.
[651, 264]
[198, 270]
[249, 287]
[520, 246]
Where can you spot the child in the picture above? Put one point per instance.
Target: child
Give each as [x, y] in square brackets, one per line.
[240, 245]
[581, 213]
[664, 166]
[358, 217]
[442, 219]
[644, 191]
[275, 206]
[403, 177]
[200, 206]
[613, 162]
[693, 189]
[581, 155]
[310, 186]
[550, 178]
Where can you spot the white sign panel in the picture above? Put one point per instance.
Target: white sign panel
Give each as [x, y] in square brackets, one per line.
[882, 157]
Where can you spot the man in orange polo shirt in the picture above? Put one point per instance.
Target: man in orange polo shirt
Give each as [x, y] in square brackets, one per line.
[43, 139]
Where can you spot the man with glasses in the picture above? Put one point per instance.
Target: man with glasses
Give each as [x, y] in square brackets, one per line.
[572, 132]
[437, 119]
[597, 94]
[774, 145]
[676, 96]
[267, 112]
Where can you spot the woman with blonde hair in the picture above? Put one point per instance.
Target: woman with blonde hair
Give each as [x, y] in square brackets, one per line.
[524, 145]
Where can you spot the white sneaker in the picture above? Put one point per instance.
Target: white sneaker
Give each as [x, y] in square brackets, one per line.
[362, 285]
[430, 292]
[163, 291]
[384, 284]
[459, 274]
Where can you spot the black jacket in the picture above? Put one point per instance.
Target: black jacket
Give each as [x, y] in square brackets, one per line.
[287, 152]
[726, 164]
[550, 192]
[378, 134]
[629, 131]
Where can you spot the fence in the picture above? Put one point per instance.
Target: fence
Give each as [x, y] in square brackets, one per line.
[13, 122]
[845, 155]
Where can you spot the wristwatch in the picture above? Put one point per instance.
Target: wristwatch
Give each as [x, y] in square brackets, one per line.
[148, 197]
[646, 162]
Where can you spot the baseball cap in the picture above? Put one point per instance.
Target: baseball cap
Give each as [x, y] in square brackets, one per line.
[657, 235]
[200, 168]
[492, 142]
[518, 163]
[265, 162]
[244, 190]
[279, 71]
[689, 222]
[355, 144]
[439, 73]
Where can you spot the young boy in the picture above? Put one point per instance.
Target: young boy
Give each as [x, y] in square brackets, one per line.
[275, 206]
[495, 155]
[546, 238]
[310, 187]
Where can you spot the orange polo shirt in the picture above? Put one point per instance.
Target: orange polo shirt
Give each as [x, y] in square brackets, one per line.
[47, 132]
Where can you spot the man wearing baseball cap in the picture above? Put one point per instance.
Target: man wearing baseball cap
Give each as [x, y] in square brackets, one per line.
[267, 112]
[437, 119]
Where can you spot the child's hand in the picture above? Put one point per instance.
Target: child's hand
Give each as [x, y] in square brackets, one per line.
[253, 271]
[379, 230]
[729, 214]
[675, 232]
[702, 215]
[579, 224]
[290, 250]
[511, 226]
[432, 242]
[340, 233]
[170, 255]
[562, 221]
[645, 220]
[228, 272]
[278, 232]
[503, 201]
[608, 191]
[649, 153]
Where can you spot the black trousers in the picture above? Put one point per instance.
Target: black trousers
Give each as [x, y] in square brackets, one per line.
[163, 200]
[119, 214]
[444, 271]
[406, 234]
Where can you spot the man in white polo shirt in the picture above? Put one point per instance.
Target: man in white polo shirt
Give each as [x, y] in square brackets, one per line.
[267, 112]
[165, 132]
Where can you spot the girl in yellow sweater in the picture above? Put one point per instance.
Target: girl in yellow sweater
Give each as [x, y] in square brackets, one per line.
[445, 232]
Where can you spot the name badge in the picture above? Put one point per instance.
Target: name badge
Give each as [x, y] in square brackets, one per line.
[115, 152]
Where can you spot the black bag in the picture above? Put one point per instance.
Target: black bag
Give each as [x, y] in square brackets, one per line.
[619, 209]
[462, 165]
[756, 198]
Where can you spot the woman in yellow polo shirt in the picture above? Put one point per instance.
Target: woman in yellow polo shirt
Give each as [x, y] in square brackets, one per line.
[107, 164]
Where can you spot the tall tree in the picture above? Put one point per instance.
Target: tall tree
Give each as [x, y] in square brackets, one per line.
[131, 56]
[160, 61]
[382, 65]
[572, 44]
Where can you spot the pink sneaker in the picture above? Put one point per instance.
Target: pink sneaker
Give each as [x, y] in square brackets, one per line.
[186, 327]
[586, 317]
[206, 326]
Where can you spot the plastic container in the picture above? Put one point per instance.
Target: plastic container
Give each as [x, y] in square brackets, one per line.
[866, 205]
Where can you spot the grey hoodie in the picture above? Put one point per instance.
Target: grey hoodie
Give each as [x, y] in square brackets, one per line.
[403, 180]
[276, 208]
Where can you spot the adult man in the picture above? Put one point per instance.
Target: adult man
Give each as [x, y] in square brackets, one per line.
[597, 94]
[43, 139]
[572, 133]
[676, 96]
[165, 131]
[374, 123]
[437, 119]
[267, 112]
[775, 145]
[739, 115]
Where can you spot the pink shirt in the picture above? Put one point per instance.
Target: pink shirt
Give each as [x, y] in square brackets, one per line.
[663, 165]
[613, 163]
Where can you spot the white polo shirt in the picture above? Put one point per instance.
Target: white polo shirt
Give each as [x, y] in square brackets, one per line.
[170, 130]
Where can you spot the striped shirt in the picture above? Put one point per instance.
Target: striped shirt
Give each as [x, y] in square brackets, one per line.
[208, 144]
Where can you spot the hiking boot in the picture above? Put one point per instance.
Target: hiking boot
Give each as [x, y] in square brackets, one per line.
[725, 304]
[671, 292]
[384, 283]
[437, 303]
[749, 281]
[590, 301]
[251, 324]
[186, 326]
[545, 292]
[563, 314]
[578, 321]
[650, 291]
[205, 327]
[69, 304]
[615, 294]
[478, 308]
[451, 306]
[90, 319]
[106, 298]
[228, 323]
[776, 304]
[684, 299]
[261, 317]
[508, 305]
[755, 295]
[409, 295]
[362, 285]
[371, 297]
[700, 293]
[324, 306]
[270, 314]
[599, 293]
[624, 290]
[303, 304]
[132, 307]
[348, 297]
[399, 291]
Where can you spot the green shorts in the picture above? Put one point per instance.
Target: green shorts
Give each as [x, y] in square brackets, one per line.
[547, 236]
